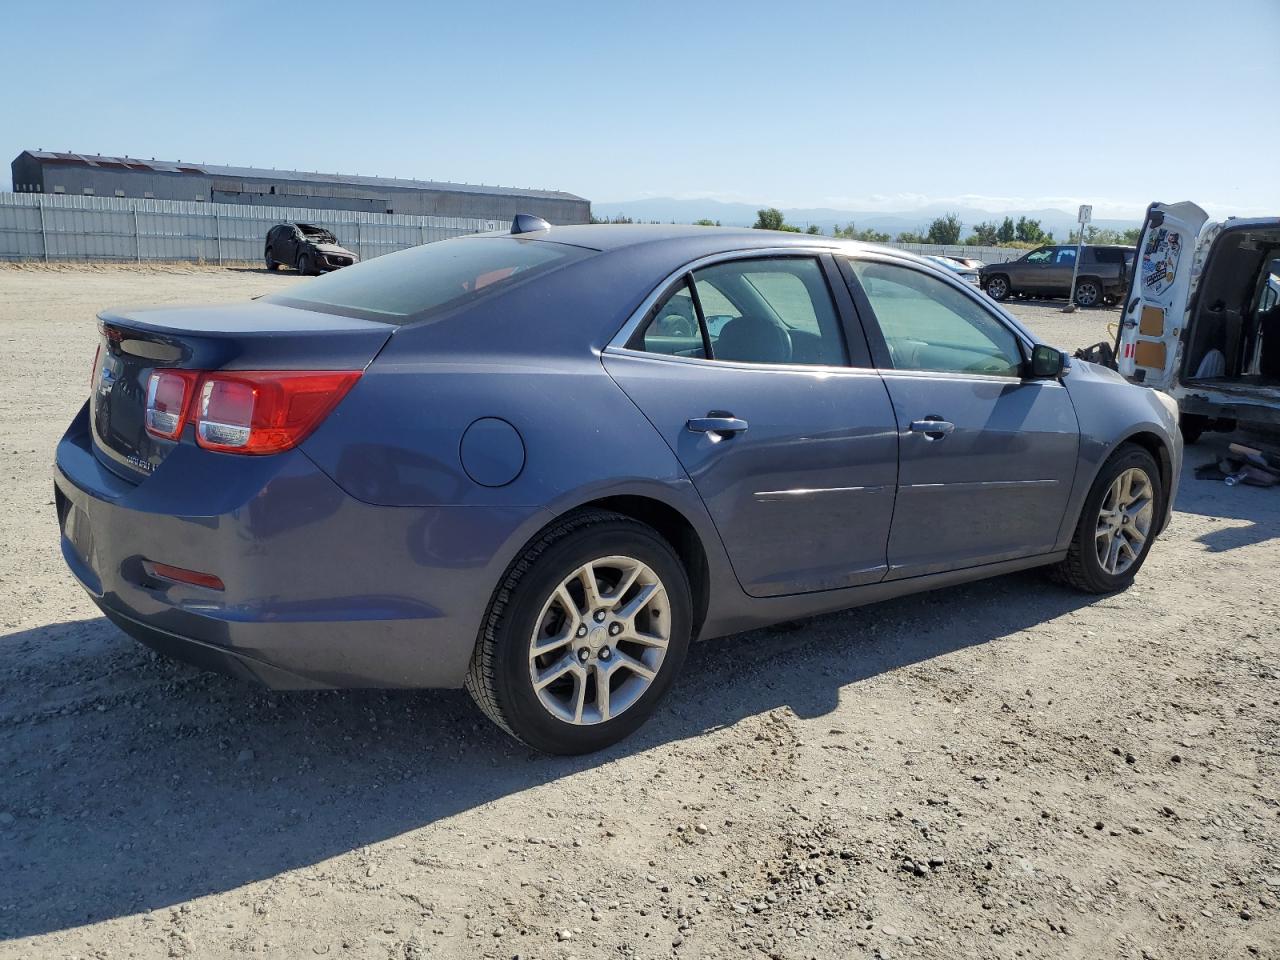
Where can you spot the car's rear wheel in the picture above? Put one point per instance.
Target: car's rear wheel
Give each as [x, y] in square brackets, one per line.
[1117, 524]
[271, 262]
[998, 287]
[305, 266]
[584, 636]
[1088, 292]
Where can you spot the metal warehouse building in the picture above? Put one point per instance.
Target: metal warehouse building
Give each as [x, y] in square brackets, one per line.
[38, 171]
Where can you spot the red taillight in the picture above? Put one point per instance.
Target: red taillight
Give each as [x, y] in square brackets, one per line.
[260, 411]
[168, 394]
[248, 411]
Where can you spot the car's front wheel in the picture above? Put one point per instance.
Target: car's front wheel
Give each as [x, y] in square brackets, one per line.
[998, 288]
[269, 259]
[1117, 524]
[584, 636]
[305, 266]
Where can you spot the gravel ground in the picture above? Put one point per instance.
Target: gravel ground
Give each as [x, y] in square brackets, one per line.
[1005, 769]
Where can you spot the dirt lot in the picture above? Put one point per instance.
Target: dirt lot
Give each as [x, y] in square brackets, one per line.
[1007, 769]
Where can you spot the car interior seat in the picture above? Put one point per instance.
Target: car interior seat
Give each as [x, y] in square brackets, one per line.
[754, 339]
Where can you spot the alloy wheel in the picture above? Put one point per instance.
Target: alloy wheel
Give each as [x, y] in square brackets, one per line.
[1087, 294]
[600, 640]
[1124, 521]
[997, 288]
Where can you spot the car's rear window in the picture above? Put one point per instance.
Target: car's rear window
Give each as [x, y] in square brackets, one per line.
[411, 284]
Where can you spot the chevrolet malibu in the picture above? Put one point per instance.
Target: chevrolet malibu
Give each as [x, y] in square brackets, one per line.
[538, 464]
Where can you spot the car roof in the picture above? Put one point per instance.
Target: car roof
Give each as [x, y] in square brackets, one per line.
[607, 237]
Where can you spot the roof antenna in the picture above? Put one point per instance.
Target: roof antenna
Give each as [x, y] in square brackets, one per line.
[528, 223]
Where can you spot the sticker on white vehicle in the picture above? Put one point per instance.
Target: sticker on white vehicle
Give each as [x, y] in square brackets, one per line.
[1160, 261]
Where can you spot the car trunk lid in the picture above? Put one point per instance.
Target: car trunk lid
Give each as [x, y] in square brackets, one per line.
[252, 336]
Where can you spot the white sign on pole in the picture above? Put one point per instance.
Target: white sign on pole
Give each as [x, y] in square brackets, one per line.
[1086, 213]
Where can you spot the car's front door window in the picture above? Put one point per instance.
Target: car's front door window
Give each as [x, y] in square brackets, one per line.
[1041, 257]
[929, 325]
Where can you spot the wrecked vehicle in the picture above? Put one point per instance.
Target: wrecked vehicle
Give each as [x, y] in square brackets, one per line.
[1202, 318]
[307, 248]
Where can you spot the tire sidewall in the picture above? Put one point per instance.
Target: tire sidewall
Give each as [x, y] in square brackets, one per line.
[1125, 460]
[524, 713]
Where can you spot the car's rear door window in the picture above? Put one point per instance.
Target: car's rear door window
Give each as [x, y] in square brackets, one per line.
[412, 284]
[775, 310]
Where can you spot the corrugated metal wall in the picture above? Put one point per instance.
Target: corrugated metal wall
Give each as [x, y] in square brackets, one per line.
[36, 226]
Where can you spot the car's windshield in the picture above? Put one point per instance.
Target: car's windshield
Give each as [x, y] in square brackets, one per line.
[410, 284]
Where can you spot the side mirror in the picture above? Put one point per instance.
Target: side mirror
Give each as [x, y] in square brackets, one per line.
[1047, 363]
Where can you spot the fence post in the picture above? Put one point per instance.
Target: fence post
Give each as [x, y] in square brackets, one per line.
[360, 241]
[44, 235]
[137, 236]
[217, 229]
[422, 229]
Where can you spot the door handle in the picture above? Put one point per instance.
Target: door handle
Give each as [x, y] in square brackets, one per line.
[934, 428]
[719, 427]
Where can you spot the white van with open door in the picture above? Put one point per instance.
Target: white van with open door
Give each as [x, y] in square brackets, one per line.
[1202, 318]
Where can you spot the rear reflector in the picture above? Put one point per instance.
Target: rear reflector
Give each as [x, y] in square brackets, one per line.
[182, 575]
[250, 411]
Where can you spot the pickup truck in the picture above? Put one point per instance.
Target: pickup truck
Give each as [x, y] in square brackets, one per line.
[1046, 272]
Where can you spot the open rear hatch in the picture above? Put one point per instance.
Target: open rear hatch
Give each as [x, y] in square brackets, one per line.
[1159, 289]
[254, 336]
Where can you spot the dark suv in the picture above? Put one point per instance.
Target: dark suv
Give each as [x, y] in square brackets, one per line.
[307, 248]
[1046, 272]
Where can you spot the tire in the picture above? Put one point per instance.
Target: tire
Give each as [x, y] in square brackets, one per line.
[270, 261]
[528, 607]
[304, 264]
[1083, 567]
[998, 287]
[1192, 426]
[1088, 292]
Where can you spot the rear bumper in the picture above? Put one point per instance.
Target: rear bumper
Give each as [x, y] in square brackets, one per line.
[321, 590]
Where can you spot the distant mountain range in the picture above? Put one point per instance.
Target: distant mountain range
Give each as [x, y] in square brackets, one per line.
[669, 209]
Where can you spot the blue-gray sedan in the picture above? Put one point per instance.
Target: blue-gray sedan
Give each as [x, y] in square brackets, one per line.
[539, 463]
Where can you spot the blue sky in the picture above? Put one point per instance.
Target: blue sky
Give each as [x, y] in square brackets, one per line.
[867, 106]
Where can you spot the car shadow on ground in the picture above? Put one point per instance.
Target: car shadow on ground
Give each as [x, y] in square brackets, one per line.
[178, 807]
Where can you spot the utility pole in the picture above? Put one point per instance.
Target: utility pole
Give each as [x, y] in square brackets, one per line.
[1085, 215]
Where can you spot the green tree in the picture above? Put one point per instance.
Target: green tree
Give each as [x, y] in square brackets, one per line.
[769, 219]
[1007, 231]
[911, 236]
[813, 229]
[945, 229]
[706, 223]
[985, 234]
[1030, 231]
